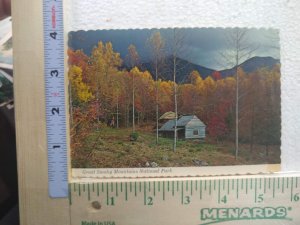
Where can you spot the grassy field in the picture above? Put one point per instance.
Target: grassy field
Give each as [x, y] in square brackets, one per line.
[112, 148]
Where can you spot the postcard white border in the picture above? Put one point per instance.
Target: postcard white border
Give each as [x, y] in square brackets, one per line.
[149, 172]
[277, 14]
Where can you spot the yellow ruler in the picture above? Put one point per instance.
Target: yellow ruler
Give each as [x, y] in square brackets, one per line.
[271, 199]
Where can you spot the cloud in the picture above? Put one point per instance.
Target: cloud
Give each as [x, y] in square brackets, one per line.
[201, 45]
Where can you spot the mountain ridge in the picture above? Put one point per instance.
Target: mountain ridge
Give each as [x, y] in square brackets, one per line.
[184, 68]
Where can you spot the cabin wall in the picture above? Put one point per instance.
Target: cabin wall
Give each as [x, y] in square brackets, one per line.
[189, 132]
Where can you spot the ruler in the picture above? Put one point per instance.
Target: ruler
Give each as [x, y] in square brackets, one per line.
[218, 200]
[55, 98]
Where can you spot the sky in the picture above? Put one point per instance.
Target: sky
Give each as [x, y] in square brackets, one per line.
[202, 46]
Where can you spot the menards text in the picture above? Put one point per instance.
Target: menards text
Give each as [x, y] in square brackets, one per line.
[226, 214]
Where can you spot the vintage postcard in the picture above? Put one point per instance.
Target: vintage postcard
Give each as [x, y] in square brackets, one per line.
[174, 102]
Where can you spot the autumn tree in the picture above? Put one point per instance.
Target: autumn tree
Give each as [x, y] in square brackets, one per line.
[176, 47]
[79, 92]
[145, 94]
[166, 94]
[268, 128]
[103, 63]
[133, 60]
[157, 45]
[238, 50]
[217, 75]
[80, 59]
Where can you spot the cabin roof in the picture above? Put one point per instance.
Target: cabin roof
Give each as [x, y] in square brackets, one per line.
[168, 116]
[192, 120]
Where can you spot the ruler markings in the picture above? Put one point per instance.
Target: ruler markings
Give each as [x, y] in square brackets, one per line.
[89, 194]
[214, 185]
[70, 194]
[145, 197]
[135, 189]
[274, 184]
[282, 184]
[292, 194]
[173, 188]
[126, 192]
[54, 78]
[260, 183]
[107, 194]
[168, 186]
[188, 189]
[219, 184]
[164, 190]
[117, 191]
[237, 189]
[228, 183]
[255, 190]
[186, 185]
[200, 189]
[182, 192]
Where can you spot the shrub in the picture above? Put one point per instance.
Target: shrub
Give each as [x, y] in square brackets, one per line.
[134, 136]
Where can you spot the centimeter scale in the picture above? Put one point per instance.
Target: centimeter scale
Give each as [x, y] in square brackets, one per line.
[268, 199]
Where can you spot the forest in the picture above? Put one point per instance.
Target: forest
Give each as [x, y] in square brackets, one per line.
[113, 99]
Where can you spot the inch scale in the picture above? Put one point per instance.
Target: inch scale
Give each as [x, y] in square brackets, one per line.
[264, 199]
[55, 98]
[201, 201]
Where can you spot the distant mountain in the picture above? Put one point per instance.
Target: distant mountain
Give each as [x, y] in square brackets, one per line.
[252, 65]
[185, 67]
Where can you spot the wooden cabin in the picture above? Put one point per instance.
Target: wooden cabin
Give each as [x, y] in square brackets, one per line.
[188, 127]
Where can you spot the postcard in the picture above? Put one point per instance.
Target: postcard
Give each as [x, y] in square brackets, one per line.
[174, 101]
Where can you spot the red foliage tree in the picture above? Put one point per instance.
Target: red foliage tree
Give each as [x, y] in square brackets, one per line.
[217, 75]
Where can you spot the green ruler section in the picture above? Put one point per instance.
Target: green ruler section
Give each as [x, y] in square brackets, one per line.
[190, 201]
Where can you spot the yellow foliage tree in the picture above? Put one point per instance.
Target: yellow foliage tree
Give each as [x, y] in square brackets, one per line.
[79, 91]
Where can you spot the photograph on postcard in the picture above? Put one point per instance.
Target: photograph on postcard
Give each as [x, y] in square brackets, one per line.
[174, 97]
